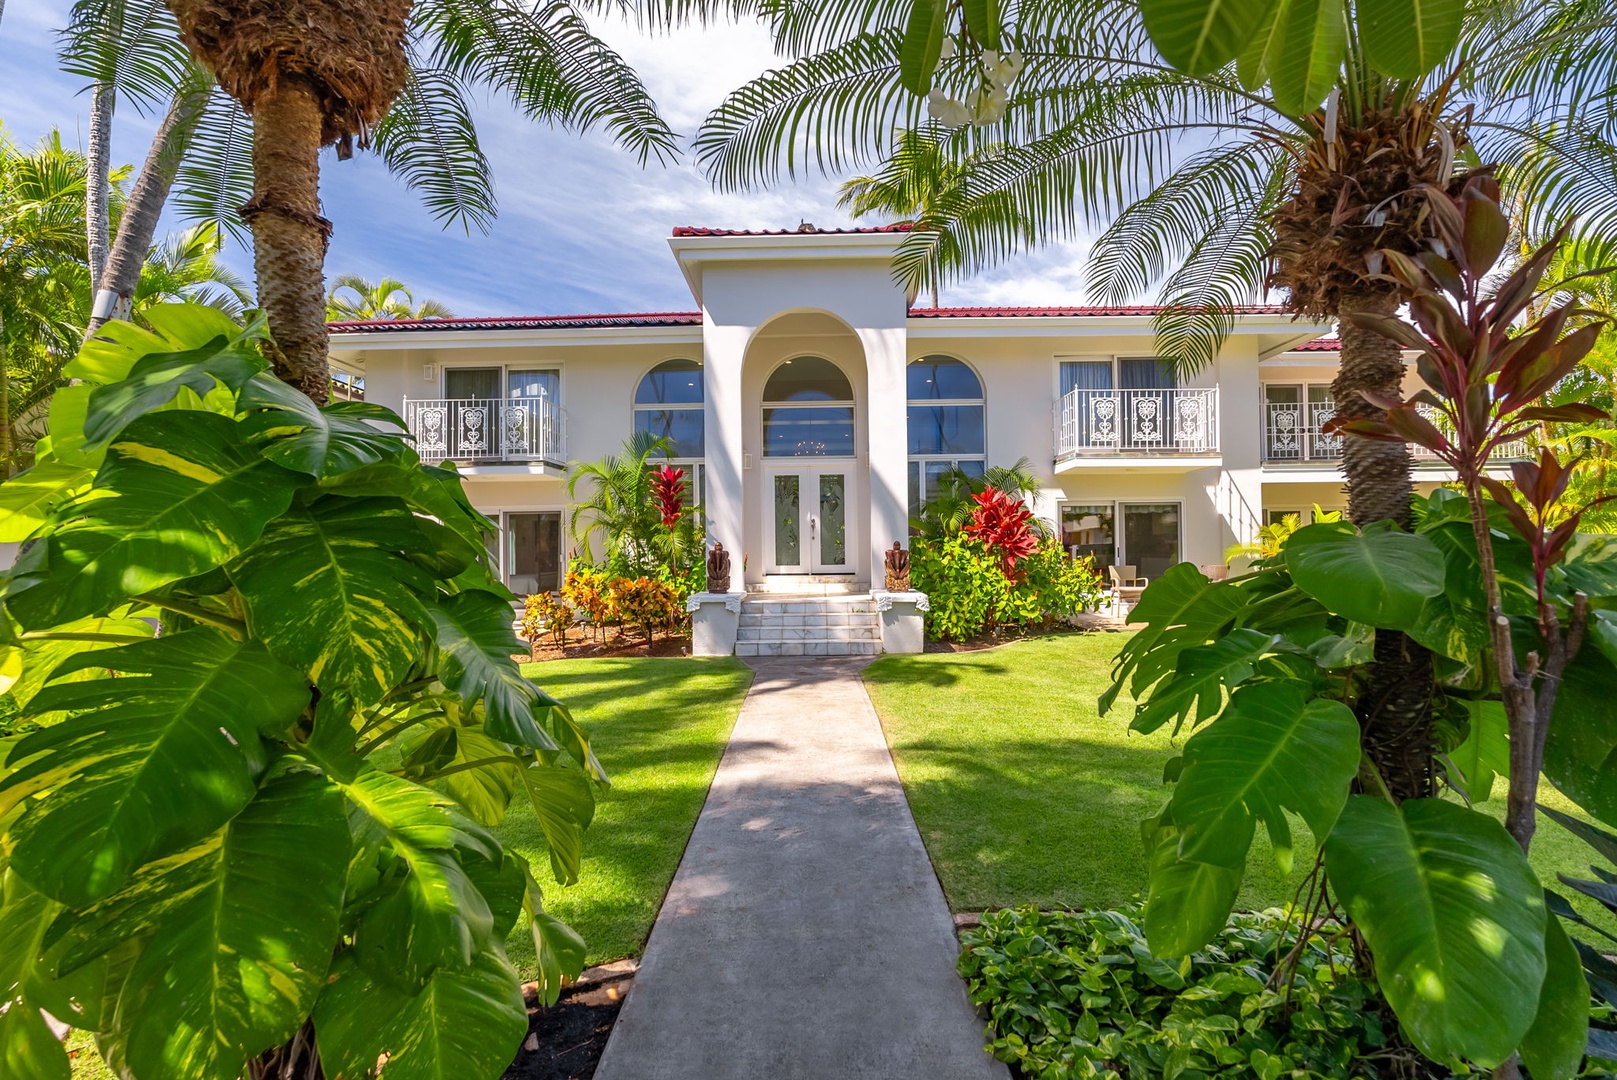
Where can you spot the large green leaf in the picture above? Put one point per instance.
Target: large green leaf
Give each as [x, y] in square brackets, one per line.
[180, 494]
[1580, 750]
[1205, 672]
[1305, 53]
[1553, 1047]
[1408, 38]
[26, 500]
[564, 804]
[1201, 36]
[150, 764]
[430, 914]
[462, 1025]
[329, 590]
[242, 931]
[484, 793]
[324, 441]
[1180, 609]
[1188, 902]
[1380, 577]
[28, 1048]
[118, 345]
[156, 379]
[477, 641]
[1272, 751]
[40, 657]
[1485, 753]
[923, 44]
[1454, 916]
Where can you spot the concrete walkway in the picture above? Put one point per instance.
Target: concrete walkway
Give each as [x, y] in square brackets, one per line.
[805, 934]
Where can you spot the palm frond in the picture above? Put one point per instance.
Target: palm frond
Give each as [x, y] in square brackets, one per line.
[429, 140]
[132, 46]
[216, 177]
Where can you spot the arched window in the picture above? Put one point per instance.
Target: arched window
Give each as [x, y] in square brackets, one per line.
[668, 404]
[808, 410]
[945, 423]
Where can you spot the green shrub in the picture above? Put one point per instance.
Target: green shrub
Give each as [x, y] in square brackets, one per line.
[1080, 995]
[970, 593]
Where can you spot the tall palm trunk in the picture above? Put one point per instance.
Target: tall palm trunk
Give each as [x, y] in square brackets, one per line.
[138, 224]
[1395, 711]
[97, 182]
[289, 235]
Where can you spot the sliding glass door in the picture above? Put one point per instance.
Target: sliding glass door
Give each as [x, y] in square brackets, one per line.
[1151, 537]
[533, 552]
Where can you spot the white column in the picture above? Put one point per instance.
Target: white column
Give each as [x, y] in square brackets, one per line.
[1238, 493]
[885, 355]
[724, 349]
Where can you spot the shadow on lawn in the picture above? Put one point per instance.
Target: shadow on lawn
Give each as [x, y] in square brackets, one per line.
[932, 669]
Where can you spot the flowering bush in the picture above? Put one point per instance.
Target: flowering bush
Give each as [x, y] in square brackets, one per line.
[668, 492]
[645, 602]
[586, 590]
[544, 613]
[1006, 528]
[970, 592]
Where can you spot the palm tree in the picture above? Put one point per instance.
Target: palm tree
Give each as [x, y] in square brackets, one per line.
[354, 298]
[542, 58]
[1212, 187]
[620, 506]
[912, 188]
[185, 268]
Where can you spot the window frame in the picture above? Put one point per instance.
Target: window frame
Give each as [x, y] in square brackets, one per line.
[1120, 554]
[765, 406]
[921, 461]
[693, 465]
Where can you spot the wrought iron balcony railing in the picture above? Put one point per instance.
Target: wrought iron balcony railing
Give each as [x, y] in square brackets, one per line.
[1128, 423]
[488, 429]
[1293, 432]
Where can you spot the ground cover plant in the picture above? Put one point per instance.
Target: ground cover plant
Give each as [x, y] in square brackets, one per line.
[661, 725]
[264, 829]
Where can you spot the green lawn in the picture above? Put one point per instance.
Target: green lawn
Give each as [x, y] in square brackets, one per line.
[659, 727]
[1024, 794]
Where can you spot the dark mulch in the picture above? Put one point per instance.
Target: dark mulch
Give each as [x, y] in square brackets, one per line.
[570, 1036]
[581, 644]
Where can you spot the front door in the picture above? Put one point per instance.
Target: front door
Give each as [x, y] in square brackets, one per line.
[809, 527]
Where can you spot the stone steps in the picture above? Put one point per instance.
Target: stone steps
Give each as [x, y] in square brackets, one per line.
[846, 625]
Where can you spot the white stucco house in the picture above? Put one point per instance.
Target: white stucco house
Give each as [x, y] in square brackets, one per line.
[814, 406]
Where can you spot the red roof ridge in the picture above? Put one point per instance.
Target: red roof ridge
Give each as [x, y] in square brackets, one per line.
[521, 322]
[802, 230]
[1079, 311]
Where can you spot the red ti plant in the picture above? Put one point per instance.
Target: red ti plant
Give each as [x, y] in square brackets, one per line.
[668, 489]
[1005, 526]
[1487, 374]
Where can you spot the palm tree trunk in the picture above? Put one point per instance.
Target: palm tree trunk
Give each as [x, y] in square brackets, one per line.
[289, 235]
[1395, 708]
[5, 411]
[97, 184]
[145, 205]
[934, 294]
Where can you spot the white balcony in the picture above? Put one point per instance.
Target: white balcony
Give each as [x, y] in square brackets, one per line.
[1292, 433]
[1161, 427]
[488, 430]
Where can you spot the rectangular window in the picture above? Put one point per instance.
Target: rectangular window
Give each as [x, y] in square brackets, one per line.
[1151, 537]
[1145, 373]
[946, 429]
[1085, 375]
[1087, 531]
[681, 427]
[811, 431]
[472, 384]
[533, 552]
[532, 384]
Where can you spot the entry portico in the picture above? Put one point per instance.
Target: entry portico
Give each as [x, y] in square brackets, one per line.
[799, 479]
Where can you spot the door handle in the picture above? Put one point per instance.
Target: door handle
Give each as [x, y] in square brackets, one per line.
[814, 527]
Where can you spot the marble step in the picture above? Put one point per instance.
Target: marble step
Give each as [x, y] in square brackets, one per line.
[807, 648]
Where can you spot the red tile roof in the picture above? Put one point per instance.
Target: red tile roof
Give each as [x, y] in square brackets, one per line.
[522, 322]
[810, 230]
[1323, 344]
[1069, 312]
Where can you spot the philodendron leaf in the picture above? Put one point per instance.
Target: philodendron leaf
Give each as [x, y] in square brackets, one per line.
[1204, 673]
[180, 494]
[157, 378]
[29, 1050]
[1408, 38]
[293, 431]
[463, 1024]
[1485, 753]
[475, 636]
[27, 499]
[1380, 577]
[1553, 1047]
[149, 768]
[1454, 917]
[1188, 902]
[330, 591]
[1580, 751]
[241, 930]
[1272, 751]
[564, 804]
[1201, 36]
[430, 915]
[1180, 609]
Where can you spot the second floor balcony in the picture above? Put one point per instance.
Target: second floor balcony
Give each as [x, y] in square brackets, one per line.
[1293, 432]
[1157, 424]
[489, 430]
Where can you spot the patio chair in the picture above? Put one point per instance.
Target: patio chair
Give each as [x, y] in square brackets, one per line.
[1127, 585]
[1215, 571]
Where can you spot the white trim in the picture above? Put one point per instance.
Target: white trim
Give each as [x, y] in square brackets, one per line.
[388, 340]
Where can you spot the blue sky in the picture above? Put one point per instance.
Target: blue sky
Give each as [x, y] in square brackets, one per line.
[582, 227]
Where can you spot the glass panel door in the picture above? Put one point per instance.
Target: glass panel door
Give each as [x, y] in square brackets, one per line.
[1151, 537]
[1086, 532]
[1284, 423]
[831, 523]
[787, 523]
[1147, 417]
[473, 395]
[533, 552]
